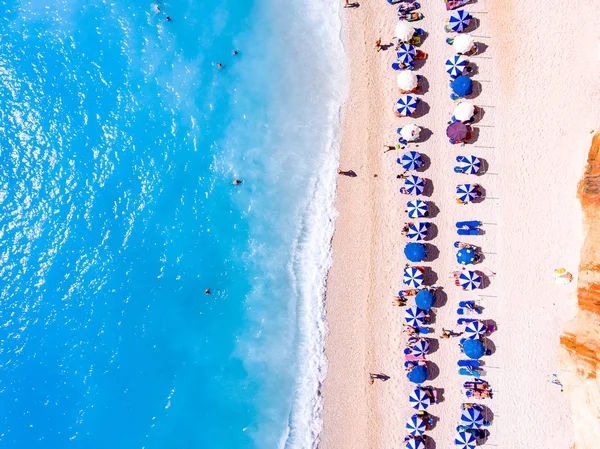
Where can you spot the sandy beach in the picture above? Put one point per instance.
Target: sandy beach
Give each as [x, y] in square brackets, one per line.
[539, 104]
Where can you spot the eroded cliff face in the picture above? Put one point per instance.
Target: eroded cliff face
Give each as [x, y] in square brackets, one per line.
[580, 342]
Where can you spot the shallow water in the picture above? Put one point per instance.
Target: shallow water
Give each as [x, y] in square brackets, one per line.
[120, 139]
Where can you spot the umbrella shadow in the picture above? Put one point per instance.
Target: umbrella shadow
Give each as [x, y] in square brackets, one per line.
[491, 325]
[473, 25]
[423, 85]
[481, 48]
[429, 442]
[426, 163]
[433, 371]
[485, 280]
[439, 393]
[432, 317]
[432, 209]
[490, 347]
[434, 345]
[483, 167]
[435, 420]
[483, 437]
[422, 109]
[474, 135]
[476, 90]
[424, 136]
[430, 277]
[432, 252]
[479, 199]
[441, 298]
[479, 116]
[428, 188]
[418, 64]
[432, 232]
[474, 69]
[487, 413]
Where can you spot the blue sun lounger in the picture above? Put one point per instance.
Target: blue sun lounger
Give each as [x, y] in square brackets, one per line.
[468, 224]
[471, 363]
[472, 372]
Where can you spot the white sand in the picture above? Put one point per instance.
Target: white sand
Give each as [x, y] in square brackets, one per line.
[534, 135]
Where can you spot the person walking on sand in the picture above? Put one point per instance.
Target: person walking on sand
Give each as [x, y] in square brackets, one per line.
[378, 44]
[391, 147]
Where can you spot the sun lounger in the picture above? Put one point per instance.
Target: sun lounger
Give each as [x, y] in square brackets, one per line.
[479, 394]
[466, 320]
[423, 330]
[463, 311]
[411, 17]
[404, 8]
[414, 358]
[468, 231]
[471, 363]
[476, 384]
[472, 372]
[468, 224]
[454, 4]
[396, 66]
[467, 304]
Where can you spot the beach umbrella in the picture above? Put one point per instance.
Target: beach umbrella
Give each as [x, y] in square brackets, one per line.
[413, 277]
[416, 425]
[414, 185]
[406, 105]
[411, 160]
[418, 231]
[459, 20]
[457, 131]
[464, 111]
[455, 65]
[409, 132]
[418, 374]
[469, 164]
[424, 300]
[407, 80]
[414, 316]
[466, 192]
[404, 31]
[420, 348]
[463, 43]
[406, 53]
[415, 444]
[417, 208]
[472, 418]
[469, 280]
[419, 399]
[466, 256]
[473, 349]
[415, 252]
[475, 330]
[462, 85]
[465, 440]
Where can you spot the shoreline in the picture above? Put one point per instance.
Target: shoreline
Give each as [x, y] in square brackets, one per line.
[364, 330]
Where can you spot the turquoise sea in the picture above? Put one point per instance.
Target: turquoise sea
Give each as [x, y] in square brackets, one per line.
[119, 142]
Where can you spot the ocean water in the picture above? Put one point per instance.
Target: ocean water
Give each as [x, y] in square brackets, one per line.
[119, 141]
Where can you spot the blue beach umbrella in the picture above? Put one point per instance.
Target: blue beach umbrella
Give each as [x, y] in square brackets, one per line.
[415, 252]
[473, 349]
[466, 256]
[418, 231]
[469, 164]
[459, 20]
[424, 299]
[415, 444]
[414, 185]
[406, 53]
[419, 399]
[414, 316]
[475, 330]
[455, 65]
[462, 86]
[472, 418]
[464, 440]
[466, 192]
[417, 208]
[418, 374]
[411, 160]
[416, 425]
[413, 277]
[420, 348]
[469, 280]
[406, 105]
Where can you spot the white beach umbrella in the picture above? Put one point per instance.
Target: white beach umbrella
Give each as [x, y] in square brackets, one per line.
[407, 80]
[475, 330]
[410, 132]
[404, 31]
[464, 111]
[463, 43]
[419, 399]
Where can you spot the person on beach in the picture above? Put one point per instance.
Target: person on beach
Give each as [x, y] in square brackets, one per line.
[449, 333]
[381, 377]
[391, 147]
[349, 173]
[378, 45]
[399, 301]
